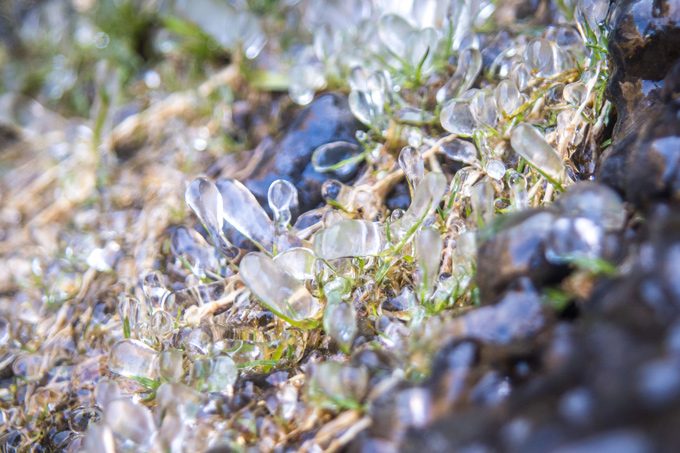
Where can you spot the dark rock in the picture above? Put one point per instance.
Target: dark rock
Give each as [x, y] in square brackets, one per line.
[399, 197]
[326, 119]
[644, 45]
[516, 250]
[653, 167]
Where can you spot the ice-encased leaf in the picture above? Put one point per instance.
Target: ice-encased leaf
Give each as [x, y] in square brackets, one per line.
[457, 118]
[428, 255]
[413, 166]
[132, 358]
[530, 144]
[339, 321]
[461, 151]
[392, 29]
[467, 70]
[242, 211]
[205, 200]
[426, 199]
[298, 262]
[349, 238]
[279, 291]
[508, 97]
[341, 158]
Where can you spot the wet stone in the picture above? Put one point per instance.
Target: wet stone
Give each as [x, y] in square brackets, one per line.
[654, 162]
[327, 119]
[516, 250]
[644, 44]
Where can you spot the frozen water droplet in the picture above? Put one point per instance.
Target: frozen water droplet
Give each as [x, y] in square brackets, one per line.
[170, 365]
[305, 80]
[349, 238]
[392, 29]
[518, 190]
[521, 76]
[132, 312]
[339, 321]
[413, 165]
[341, 158]
[420, 48]
[279, 291]
[282, 197]
[205, 200]
[456, 117]
[132, 358]
[592, 13]
[461, 151]
[495, 169]
[427, 196]
[334, 381]
[155, 293]
[242, 211]
[508, 97]
[298, 262]
[575, 93]
[543, 58]
[222, 374]
[365, 109]
[105, 391]
[130, 421]
[467, 70]
[482, 199]
[99, 439]
[483, 108]
[429, 246]
[530, 144]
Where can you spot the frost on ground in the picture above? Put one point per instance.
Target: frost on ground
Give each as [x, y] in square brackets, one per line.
[301, 225]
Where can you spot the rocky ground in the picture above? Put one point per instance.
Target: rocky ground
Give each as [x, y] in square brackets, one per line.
[352, 226]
